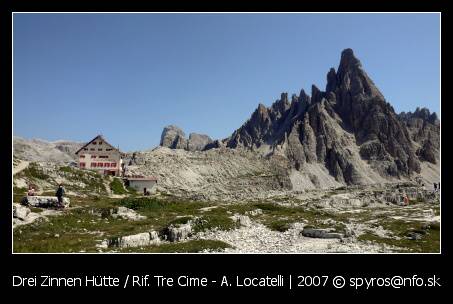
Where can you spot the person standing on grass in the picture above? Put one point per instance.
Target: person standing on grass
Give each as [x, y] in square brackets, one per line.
[59, 195]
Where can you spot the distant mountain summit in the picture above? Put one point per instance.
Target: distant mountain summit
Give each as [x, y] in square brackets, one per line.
[175, 138]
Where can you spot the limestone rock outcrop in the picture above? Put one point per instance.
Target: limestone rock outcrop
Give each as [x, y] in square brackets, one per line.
[174, 137]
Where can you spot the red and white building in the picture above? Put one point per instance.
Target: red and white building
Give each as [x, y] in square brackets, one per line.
[101, 156]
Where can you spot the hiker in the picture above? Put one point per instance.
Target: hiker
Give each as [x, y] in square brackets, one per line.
[31, 191]
[144, 191]
[438, 186]
[435, 187]
[59, 195]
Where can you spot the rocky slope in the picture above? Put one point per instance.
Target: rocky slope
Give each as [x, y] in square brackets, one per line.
[424, 130]
[38, 150]
[216, 174]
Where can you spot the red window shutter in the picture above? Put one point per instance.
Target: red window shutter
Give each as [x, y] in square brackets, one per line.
[99, 164]
[82, 165]
[93, 165]
[106, 165]
[113, 165]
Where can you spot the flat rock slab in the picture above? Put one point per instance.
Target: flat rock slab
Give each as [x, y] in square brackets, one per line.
[321, 233]
[45, 201]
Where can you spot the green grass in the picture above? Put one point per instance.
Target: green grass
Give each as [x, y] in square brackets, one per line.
[93, 181]
[117, 186]
[93, 214]
[220, 221]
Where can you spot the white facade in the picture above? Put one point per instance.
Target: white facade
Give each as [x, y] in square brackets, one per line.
[140, 184]
[100, 156]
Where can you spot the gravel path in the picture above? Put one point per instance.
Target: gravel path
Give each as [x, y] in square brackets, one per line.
[257, 238]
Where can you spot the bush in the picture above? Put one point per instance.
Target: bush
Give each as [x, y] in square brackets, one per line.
[117, 186]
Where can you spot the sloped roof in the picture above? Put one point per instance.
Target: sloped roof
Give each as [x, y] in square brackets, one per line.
[98, 137]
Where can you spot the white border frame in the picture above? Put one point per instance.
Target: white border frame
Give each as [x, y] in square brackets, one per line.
[222, 253]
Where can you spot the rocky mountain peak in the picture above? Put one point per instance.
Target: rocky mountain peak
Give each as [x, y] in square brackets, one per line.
[348, 61]
[347, 128]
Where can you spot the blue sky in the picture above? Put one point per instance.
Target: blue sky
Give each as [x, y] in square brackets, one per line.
[126, 76]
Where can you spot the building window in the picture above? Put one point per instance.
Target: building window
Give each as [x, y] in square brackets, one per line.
[99, 164]
[113, 165]
[103, 156]
[85, 149]
[109, 149]
[99, 149]
[82, 156]
[93, 142]
[100, 142]
[107, 165]
[93, 165]
[93, 156]
[92, 149]
[82, 165]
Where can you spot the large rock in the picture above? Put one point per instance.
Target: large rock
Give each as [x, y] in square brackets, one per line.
[20, 212]
[180, 232]
[45, 201]
[242, 220]
[321, 233]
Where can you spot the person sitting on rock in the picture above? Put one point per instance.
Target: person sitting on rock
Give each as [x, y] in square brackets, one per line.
[31, 191]
[59, 195]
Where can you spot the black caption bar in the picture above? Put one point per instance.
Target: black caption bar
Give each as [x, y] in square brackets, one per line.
[226, 281]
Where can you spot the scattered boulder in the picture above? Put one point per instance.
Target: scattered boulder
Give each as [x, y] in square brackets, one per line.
[321, 233]
[255, 212]
[127, 214]
[242, 220]
[180, 232]
[414, 236]
[20, 212]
